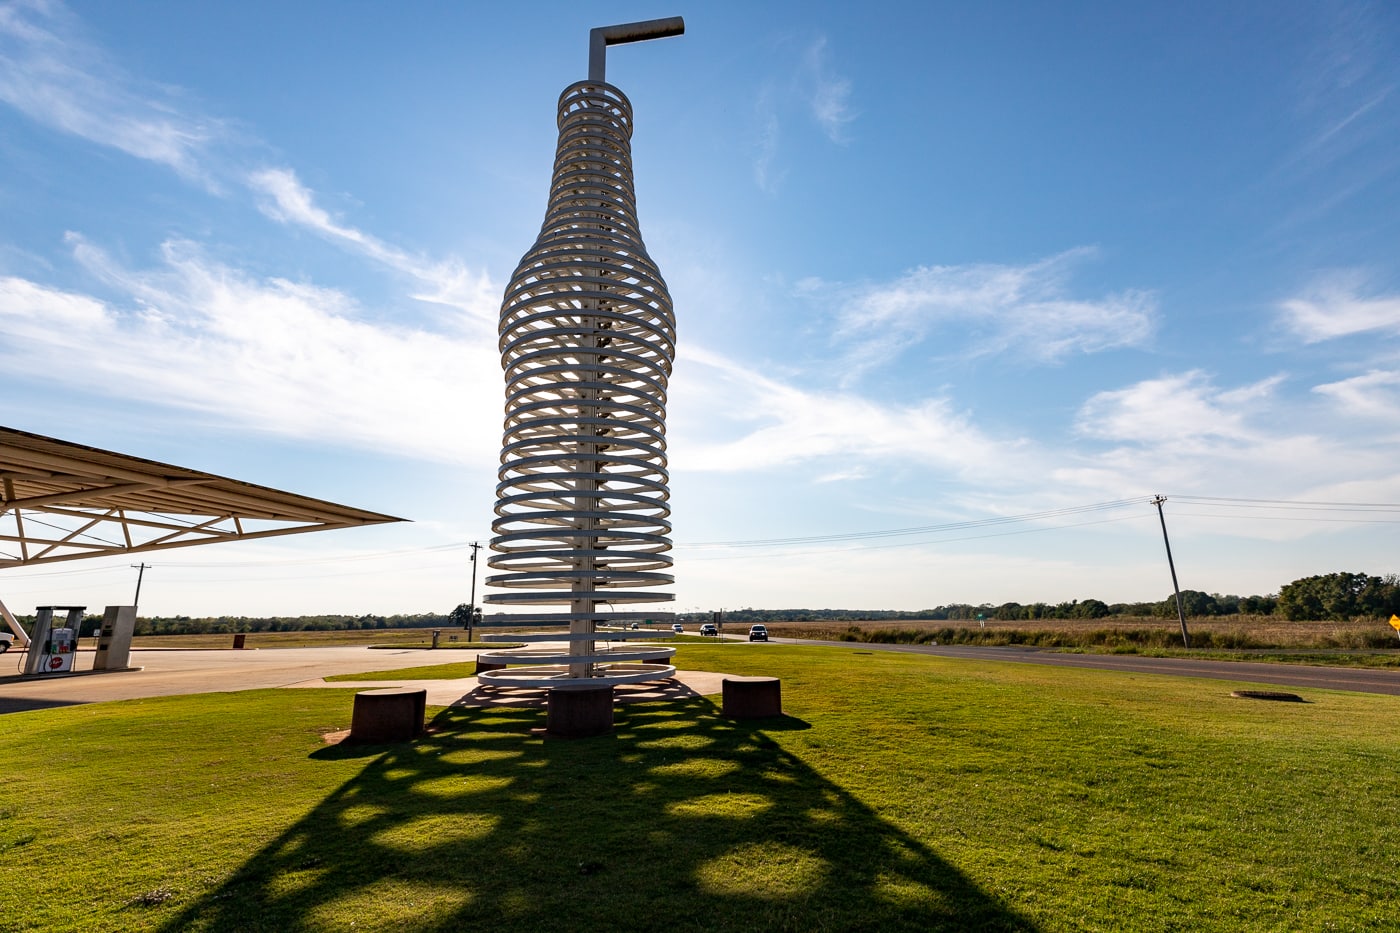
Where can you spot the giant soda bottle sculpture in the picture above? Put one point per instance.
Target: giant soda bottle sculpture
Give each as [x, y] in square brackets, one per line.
[587, 338]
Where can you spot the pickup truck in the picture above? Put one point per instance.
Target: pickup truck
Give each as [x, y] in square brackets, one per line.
[6, 640]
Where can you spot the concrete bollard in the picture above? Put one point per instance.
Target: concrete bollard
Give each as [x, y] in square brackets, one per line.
[579, 712]
[393, 714]
[752, 697]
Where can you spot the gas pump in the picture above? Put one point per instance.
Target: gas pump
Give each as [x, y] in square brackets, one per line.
[52, 649]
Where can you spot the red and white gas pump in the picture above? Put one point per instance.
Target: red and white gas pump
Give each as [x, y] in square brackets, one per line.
[52, 649]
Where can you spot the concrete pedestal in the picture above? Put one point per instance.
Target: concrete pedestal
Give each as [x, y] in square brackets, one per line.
[394, 714]
[752, 697]
[579, 712]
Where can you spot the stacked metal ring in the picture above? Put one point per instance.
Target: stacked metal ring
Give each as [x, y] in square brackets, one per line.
[587, 340]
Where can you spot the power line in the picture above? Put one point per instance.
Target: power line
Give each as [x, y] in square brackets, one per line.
[1302, 504]
[1294, 518]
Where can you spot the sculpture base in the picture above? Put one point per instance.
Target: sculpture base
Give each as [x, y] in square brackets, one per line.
[579, 712]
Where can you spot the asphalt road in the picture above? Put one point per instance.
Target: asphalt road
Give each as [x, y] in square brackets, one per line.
[1361, 680]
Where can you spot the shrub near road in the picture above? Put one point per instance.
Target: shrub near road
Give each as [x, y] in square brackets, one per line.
[901, 792]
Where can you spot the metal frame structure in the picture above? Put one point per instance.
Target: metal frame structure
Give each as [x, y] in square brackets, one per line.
[587, 340]
[62, 501]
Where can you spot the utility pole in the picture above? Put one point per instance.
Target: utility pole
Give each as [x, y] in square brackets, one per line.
[1180, 613]
[471, 617]
[140, 572]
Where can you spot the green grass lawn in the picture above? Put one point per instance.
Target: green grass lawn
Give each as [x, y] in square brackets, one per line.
[899, 793]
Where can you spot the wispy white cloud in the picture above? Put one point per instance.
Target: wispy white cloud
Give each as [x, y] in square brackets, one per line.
[1024, 310]
[766, 173]
[268, 356]
[1334, 307]
[1375, 394]
[811, 86]
[842, 476]
[1178, 433]
[285, 199]
[1347, 91]
[49, 73]
[828, 94]
[53, 76]
[1348, 120]
[1184, 408]
[1183, 433]
[728, 417]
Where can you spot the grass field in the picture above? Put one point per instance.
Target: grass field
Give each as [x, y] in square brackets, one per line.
[899, 793]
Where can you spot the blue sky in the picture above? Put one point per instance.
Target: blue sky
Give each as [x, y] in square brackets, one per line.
[935, 266]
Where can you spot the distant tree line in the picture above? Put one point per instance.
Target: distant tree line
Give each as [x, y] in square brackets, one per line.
[1340, 596]
[1333, 596]
[1194, 603]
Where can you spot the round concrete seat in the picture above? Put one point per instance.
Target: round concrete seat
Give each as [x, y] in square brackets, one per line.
[393, 714]
[579, 712]
[484, 666]
[752, 697]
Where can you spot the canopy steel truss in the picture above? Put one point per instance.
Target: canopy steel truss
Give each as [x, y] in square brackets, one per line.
[63, 501]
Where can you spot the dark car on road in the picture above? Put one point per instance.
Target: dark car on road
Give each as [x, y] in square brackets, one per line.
[709, 628]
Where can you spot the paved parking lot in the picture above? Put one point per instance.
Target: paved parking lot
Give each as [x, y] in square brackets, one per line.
[166, 672]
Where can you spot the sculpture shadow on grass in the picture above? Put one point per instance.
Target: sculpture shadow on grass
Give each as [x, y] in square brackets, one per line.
[679, 820]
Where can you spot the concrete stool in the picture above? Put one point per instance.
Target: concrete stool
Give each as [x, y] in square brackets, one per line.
[579, 712]
[394, 714]
[752, 697]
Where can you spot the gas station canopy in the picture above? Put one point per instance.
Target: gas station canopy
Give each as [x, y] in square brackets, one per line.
[63, 501]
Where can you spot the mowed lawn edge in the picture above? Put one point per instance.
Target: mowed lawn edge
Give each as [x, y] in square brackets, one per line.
[899, 792]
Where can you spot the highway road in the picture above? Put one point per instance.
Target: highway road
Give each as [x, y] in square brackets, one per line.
[1362, 680]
